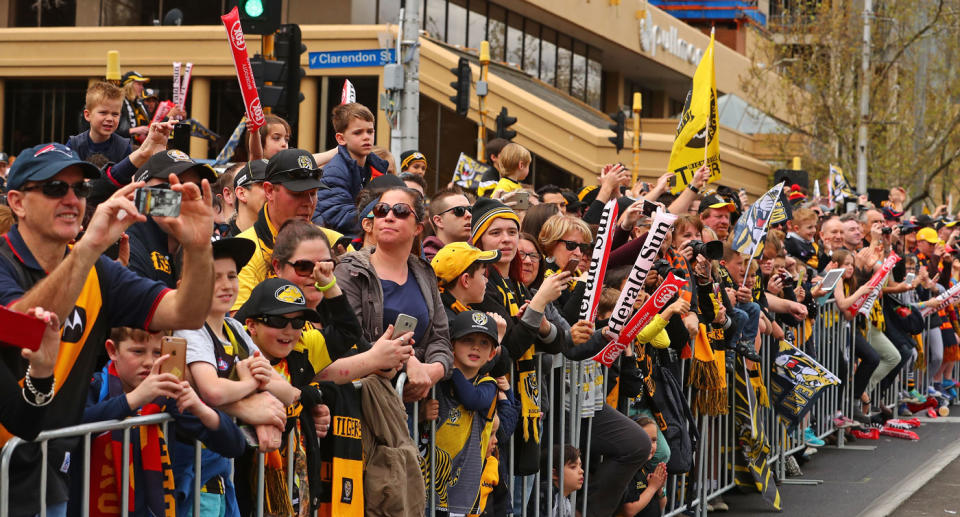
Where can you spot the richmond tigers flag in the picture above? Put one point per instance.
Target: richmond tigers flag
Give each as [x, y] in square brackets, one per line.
[753, 472]
[751, 229]
[837, 186]
[797, 382]
[698, 140]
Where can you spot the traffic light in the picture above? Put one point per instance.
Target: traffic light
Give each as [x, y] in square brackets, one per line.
[504, 121]
[617, 127]
[461, 101]
[259, 16]
[288, 46]
[272, 72]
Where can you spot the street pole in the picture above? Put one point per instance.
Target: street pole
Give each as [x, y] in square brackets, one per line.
[481, 97]
[864, 100]
[410, 100]
[637, 106]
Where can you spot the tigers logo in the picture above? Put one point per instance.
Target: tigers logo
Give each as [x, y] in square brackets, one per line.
[74, 326]
[304, 162]
[480, 318]
[290, 294]
[178, 155]
[236, 36]
[347, 491]
[454, 416]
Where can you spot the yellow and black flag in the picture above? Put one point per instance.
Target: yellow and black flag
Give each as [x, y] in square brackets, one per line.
[753, 472]
[698, 140]
[751, 229]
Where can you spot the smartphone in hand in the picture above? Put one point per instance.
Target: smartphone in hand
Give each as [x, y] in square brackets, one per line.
[176, 364]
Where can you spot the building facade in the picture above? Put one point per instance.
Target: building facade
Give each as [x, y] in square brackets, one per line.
[559, 66]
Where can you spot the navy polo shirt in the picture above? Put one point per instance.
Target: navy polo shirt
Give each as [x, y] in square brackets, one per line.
[149, 253]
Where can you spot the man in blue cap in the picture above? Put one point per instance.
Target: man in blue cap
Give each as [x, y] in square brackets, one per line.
[89, 292]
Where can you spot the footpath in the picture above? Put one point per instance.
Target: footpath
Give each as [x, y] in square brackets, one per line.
[900, 477]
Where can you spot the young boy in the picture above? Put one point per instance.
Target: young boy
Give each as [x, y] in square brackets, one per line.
[350, 170]
[746, 313]
[801, 240]
[131, 384]
[102, 111]
[647, 482]
[559, 505]
[514, 166]
[467, 404]
[462, 274]
[413, 162]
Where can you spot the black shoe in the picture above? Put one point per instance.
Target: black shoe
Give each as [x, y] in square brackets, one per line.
[747, 352]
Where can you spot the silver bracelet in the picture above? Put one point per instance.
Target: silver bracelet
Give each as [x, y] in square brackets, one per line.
[39, 399]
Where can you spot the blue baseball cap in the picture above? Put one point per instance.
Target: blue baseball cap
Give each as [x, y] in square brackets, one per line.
[44, 161]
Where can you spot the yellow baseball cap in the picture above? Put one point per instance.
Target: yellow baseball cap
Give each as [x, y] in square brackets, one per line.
[454, 258]
[929, 235]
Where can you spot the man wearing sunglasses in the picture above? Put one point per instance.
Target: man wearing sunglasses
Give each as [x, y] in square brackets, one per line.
[290, 185]
[89, 292]
[450, 216]
[154, 247]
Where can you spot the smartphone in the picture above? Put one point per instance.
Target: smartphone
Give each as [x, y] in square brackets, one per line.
[909, 278]
[571, 266]
[649, 207]
[19, 330]
[177, 362]
[829, 282]
[161, 202]
[405, 323]
[520, 200]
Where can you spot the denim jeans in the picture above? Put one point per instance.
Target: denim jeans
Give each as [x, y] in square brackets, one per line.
[746, 322]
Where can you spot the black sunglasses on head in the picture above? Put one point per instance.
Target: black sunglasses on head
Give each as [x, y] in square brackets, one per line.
[59, 188]
[400, 210]
[304, 267]
[458, 211]
[571, 245]
[279, 322]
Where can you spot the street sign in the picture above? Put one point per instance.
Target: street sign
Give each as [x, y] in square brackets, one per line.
[352, 58]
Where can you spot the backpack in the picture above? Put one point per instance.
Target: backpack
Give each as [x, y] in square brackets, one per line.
[672, 413]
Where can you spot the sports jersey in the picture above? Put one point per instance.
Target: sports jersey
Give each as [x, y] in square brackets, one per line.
[112, 296]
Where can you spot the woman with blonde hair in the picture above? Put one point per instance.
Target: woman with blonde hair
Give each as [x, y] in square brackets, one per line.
[567, 243]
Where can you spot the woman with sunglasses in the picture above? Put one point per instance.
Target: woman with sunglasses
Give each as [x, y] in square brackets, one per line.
[390, 279]
[567, 242]
[302, 256]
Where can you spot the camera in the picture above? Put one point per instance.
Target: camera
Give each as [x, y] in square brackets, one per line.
[662, 267]
[886, 230]
[712, 250]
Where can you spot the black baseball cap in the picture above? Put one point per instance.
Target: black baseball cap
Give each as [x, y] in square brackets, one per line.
[276, 297]
[255, 171]
[238, 249]
[469, 322]
[716, 201]
[295, 169]
[44, 161]
[173, 161]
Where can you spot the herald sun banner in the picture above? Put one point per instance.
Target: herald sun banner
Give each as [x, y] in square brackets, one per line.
[181, 83]
[348, 94]
[662, 223]
[598, 262]
[698, 138]
[865, 302]
[942, 300]
[161, 112]
[657, 301]
[248, 86]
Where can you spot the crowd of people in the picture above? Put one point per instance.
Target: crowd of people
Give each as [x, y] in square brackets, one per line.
[304, 283]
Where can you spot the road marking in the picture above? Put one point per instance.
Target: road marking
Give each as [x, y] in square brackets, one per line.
[940, 420]
[886, 504]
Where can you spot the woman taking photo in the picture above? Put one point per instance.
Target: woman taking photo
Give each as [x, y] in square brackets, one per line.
[390, 279]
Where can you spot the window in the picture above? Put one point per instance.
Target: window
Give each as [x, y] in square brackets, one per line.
[435, 18]
[476, 24]
[578, 81]
[497, 32]
[531, 49]
[457, 22]
[388, 11]
[45, 13]
[594, 82]
[564, 63]
[515, 39]
[41, 111]
[548, 56]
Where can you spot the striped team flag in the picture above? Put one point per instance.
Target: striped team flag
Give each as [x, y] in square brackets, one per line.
[751, 228]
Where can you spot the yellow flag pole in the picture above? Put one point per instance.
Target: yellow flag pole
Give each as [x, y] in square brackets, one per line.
[637, 106]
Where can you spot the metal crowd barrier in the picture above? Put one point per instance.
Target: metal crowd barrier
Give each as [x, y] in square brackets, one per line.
[830, 342]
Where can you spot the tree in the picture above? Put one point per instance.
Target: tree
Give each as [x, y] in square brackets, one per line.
[914, 120]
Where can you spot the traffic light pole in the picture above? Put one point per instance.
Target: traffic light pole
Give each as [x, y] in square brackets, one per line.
[406, 135]
[481, 97]
[637, 106]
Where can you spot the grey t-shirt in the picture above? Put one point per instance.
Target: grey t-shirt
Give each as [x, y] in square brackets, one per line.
[200, 347]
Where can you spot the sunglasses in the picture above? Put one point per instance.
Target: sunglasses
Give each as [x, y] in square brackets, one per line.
[458, 211]
[400, 210]
[58, 189]
[304, 267]
[571, 245]
[279, 322]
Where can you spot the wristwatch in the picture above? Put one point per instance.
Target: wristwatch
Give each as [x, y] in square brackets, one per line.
[695, 190]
